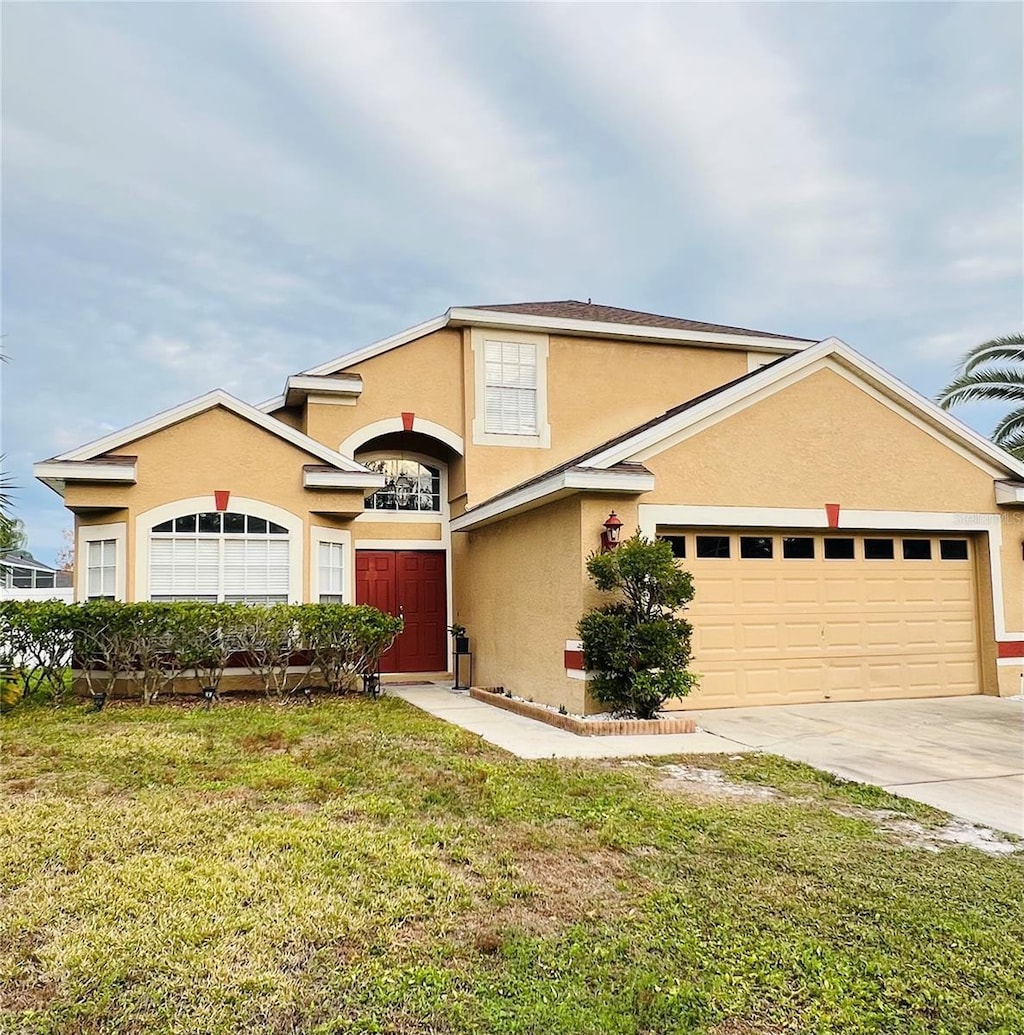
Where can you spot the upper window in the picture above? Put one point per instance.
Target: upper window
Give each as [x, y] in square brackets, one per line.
[237, 558]
[511, 388]
[410, 486]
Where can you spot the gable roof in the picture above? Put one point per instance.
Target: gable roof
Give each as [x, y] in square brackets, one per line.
[218, 397]
[567, 317]
[570, 309]
[642, 441]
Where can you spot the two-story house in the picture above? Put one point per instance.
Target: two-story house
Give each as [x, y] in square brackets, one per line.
[849, 540]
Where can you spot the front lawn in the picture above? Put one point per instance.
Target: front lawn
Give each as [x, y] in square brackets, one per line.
[362, 867]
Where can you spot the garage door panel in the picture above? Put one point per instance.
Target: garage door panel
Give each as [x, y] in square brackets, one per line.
[832, 629]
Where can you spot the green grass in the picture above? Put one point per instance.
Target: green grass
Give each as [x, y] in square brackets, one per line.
[359, 867]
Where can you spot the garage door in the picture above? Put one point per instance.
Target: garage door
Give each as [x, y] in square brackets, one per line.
[793, 617]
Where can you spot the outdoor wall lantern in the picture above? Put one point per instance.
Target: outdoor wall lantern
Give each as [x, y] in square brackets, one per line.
[610, 535]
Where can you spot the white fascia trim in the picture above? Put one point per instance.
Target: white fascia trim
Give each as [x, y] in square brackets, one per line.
[651, 515]
[299, 386]
[218, 397]
[342, 480]
[562, 484]
[1009, 493]
[72, 471]
[494, 318]
[769, 379]
[346, 360]
[269, 405]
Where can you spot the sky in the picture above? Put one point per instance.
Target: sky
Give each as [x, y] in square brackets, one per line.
[219, 195]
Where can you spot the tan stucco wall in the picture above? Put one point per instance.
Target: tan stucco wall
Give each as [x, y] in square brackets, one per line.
[434, 377]
[822, 440]
[518, 591]
[425, 530]
[213, 450]
[423, 377]
[596, 389]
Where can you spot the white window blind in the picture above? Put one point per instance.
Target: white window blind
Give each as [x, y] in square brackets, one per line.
[236, 568]
[102, 568]
[510, 388]
[255, 568]
[332, 573]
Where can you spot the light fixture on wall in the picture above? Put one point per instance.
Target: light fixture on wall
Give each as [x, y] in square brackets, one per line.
[610, 535]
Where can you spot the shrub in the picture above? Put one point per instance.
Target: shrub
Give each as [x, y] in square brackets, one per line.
[636, 648]
[345, 641]
[151, 644]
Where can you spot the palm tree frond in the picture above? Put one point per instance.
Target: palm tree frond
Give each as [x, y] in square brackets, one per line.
[1014, 444]
[1007, 348]
[1002, 383]
[1009, 426]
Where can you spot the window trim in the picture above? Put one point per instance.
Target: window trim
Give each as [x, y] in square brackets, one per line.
[479, 336]
[322, 534]
[198, 504]
[118, 531]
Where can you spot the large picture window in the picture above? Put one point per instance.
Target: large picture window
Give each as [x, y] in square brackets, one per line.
[214, 556]
[410, 486]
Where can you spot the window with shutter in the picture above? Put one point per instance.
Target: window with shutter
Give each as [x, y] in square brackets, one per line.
[236, 558]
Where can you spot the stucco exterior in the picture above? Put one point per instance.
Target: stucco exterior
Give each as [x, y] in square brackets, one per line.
[670, 428]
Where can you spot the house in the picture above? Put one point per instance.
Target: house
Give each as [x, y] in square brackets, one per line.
[22, 577]
[848, 539]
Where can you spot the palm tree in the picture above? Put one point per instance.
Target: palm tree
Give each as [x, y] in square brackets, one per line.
[993, 370]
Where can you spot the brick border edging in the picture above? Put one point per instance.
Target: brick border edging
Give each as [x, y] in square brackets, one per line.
[583, 727]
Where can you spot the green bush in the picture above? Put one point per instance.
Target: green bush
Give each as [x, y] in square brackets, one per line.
[636, 648]
[151, 644]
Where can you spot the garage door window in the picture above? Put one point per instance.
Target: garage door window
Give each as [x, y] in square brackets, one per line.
[839, 549]
[712, 546]
[878, 550]
[798, 548]
[678, 544]
[756, 546]
[917, 549]
[953, 549]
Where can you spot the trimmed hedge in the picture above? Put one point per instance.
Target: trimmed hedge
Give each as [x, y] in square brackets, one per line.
[152, 644]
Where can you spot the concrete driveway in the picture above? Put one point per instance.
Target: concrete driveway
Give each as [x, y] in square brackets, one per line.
[961, 754]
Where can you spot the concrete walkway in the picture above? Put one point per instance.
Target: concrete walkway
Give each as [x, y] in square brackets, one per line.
[529, 738]
[964, 755]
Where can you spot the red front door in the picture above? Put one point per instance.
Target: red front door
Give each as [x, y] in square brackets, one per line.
[410, 583]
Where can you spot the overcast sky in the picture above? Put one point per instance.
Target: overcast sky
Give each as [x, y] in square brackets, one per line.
[204, 195]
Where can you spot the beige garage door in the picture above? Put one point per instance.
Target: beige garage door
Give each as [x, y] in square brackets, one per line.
[792, 617]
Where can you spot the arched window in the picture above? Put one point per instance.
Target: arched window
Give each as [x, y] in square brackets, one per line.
[237, 558]
[410, 486]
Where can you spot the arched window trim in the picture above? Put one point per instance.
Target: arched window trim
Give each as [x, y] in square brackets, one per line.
[294, 524]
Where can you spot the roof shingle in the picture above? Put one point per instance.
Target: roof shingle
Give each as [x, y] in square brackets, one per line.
[570, 309]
